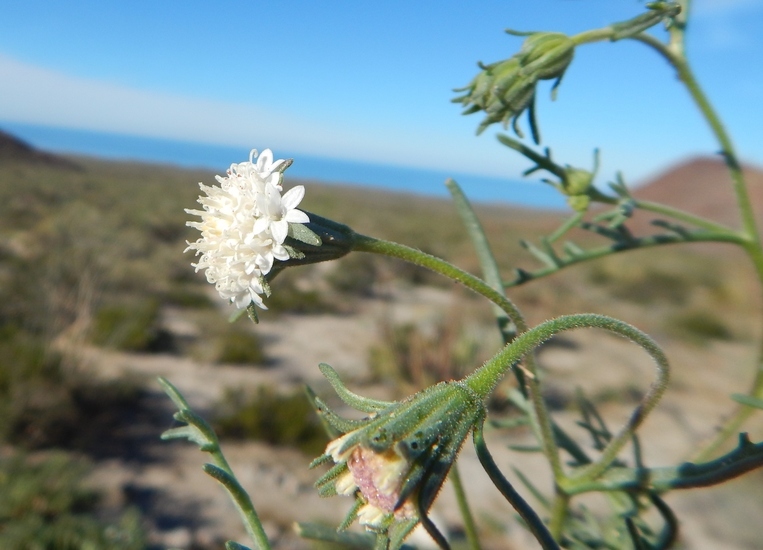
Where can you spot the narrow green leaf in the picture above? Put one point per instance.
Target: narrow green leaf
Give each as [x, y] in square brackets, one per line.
[488, 263]
[251, 311]
[526, 448]
[173, 393]
[540, 497]
[354, 400]
[293, 253]
[748, 400]
[315, 531]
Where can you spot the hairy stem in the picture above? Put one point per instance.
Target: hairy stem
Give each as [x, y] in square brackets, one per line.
[486, 377]
[539, 416]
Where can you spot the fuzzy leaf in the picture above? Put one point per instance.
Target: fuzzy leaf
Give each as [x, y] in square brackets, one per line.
[354, 400]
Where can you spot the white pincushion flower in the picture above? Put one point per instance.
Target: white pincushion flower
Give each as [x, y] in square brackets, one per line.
[244, 223]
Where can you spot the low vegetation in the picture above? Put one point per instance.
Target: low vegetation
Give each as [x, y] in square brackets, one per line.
[91, 255]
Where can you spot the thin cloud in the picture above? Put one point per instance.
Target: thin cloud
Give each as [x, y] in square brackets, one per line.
[36, 95]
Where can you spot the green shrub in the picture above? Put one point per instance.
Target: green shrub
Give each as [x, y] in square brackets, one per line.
[413, 358]
[699, 325]
[355, 275]
[42, 405]
[45, 506]
[128, 325]
[189, 296]
[240, 346]
[268, 416]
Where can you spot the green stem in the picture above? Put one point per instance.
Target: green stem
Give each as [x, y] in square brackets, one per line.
[689, 218]
[484, 379]
[634, 244]
[540, 418]
[559, 510]
[207, 439]
[752, 245]
[733, 425]
[534, 523]
[463, 505]
[363, 243]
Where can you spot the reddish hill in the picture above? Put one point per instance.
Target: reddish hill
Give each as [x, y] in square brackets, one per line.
[703, 186]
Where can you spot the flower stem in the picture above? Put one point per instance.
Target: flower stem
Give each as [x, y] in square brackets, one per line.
[534, 523]
[539, 416]
[559, 510]
[387, 248]
[463, 505]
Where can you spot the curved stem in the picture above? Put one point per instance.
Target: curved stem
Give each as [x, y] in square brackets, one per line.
[483, 380]
[685, 74]
[534, 523]
[395, 250]
[540, 418]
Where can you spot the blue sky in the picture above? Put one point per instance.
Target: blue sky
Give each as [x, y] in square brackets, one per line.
[372, 81]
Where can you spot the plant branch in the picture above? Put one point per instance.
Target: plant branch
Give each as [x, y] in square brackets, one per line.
[540, 418]
[624, 245]
[486, 377]
[746, 457]
[463, 505]
[533, 522]
[198, 431]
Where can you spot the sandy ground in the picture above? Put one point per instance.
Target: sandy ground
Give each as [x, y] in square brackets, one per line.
[186, 509]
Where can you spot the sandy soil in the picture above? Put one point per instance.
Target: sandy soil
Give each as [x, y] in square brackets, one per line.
[186, 509]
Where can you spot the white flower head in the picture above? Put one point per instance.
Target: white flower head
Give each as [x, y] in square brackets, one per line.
[244, 223]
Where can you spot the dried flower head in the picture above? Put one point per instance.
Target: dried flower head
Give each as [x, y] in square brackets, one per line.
[395, 461]
[244, 223]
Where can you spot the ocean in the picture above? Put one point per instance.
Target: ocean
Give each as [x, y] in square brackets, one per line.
[218, 157]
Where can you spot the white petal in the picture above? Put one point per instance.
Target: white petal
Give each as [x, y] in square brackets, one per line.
[345, 484]
[293, 196]
[279, 230]
[371, 515]
[297, 216]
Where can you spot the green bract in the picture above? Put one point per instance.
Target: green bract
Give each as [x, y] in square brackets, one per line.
[395, 461]
[504, 90]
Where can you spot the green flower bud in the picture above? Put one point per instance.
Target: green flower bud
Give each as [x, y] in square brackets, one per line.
[579, 203]
[577, 181]
[504, 90]
[395, 461]
[546, 55]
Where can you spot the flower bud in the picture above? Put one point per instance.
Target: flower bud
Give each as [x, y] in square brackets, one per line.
[547, 55]
[504, 90]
